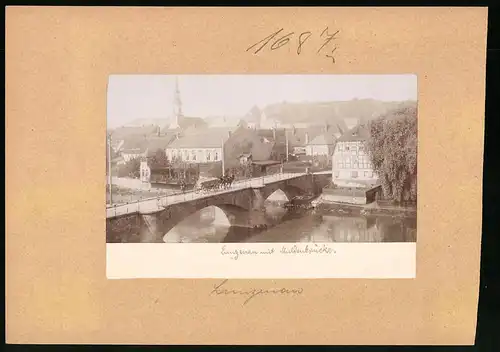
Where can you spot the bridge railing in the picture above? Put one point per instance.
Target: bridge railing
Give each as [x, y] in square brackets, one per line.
[179, 197]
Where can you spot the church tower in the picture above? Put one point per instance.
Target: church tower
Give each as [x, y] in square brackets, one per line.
[177, 109]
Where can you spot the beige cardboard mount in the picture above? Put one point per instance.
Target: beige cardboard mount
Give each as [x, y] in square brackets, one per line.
[57, 65]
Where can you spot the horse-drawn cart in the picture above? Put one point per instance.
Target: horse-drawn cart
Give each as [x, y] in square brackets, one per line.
[207, 185]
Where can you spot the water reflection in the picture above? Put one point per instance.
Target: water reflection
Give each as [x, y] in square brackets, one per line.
[290, 226]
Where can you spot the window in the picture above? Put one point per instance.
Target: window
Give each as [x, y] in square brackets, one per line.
[216, 157]
[340, 147]
[340, 164]
[209, 156]
[366, 174]
[347, 148]
[337, 174]
[348, 162]
[354, 174]
[361, 148]
[193, 155]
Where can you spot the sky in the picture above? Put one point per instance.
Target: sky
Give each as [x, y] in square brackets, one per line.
[133, 97]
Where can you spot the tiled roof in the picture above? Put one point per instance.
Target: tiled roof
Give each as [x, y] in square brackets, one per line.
[358, 133]
[297, 137]
[187, 122]
[323, 139]
[155, 143]
[245, 140]
[137, 145]
[124, 132]
[207, 138]
[223, 121]
[261, 151]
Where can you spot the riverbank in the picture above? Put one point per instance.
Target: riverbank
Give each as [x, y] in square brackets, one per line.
[375, 208]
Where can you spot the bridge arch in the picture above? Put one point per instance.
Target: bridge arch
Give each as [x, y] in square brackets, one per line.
[290, 191]
[234, 206]
[279, 196]
[193, 227]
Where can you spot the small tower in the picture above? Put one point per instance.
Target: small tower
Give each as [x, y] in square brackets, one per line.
[177, 108]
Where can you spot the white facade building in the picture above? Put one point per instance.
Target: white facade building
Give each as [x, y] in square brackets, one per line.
[351, 165]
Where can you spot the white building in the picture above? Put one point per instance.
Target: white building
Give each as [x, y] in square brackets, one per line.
[204, 147]
[351, 165]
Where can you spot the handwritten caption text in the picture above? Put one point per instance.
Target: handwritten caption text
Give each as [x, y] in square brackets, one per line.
[309, 249]
[278, 40]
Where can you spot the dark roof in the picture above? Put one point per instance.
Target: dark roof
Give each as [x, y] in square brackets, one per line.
[135, 145]
[243, 141]
[358, 133]
[323, 139]
[207, 138]
[162, 142]
[186, 122]
[121, 133]
[223, 121]
[297, 137]
[261, 151]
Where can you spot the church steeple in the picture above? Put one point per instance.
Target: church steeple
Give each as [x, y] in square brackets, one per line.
[177, 99]
[177, 106]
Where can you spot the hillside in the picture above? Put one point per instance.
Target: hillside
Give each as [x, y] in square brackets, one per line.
[330, 112]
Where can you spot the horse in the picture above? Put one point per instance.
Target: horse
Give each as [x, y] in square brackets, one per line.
[226, 181]
[230, 181]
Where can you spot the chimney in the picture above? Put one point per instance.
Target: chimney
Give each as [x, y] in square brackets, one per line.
[177, 135]
[307, 138]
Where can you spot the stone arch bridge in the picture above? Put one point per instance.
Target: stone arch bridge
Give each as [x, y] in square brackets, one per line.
[242, 204]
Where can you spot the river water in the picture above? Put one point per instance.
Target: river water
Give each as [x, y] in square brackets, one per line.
[211, 226]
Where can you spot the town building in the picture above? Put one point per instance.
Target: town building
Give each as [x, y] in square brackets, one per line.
[199, 147]
[351, 165]
[323, 144]
[134, 148]
[122, 137]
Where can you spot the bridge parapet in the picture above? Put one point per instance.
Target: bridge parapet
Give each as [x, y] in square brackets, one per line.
[150, 220]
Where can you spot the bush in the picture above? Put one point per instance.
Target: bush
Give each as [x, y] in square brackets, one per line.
[130, 169]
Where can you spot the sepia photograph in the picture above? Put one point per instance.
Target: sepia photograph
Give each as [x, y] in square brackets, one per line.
[261, 158]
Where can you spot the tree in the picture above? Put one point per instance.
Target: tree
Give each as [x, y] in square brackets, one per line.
[242, 170]
[159, 159]
[393, 151]
[130, 169]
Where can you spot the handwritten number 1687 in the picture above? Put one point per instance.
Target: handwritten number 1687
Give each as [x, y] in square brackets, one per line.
[283, 40]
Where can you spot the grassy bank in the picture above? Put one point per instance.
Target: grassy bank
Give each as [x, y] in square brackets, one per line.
[123, 195]
[374, 208]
